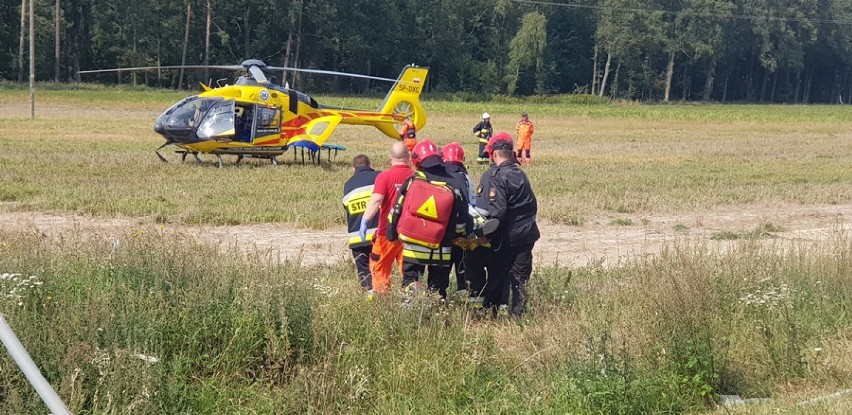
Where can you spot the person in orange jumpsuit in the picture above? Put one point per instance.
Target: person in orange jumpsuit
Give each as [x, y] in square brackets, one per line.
[408, 133]
[525, 130]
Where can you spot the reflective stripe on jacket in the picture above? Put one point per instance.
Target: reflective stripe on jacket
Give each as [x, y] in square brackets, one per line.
[422, 255]
[357, 192]
[483, 131]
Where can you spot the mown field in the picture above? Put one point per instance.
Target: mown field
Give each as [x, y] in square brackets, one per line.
[156, 322]
[91, 151]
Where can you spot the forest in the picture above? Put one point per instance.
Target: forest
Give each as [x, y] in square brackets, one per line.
[778, 51]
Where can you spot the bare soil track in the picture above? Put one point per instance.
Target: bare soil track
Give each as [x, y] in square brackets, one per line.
[598, 242]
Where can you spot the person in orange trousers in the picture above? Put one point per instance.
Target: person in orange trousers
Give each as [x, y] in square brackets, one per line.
[525, 130]
[408, 133]
[385, 192]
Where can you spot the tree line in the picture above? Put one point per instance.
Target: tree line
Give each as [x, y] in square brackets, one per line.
[791, 51]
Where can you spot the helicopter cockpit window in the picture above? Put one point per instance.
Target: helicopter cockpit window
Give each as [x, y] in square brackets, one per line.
[187, 114]
[268, 121]
[219, 121]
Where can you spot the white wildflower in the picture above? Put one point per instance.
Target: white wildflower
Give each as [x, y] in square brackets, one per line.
[148, 359]
[769, 296]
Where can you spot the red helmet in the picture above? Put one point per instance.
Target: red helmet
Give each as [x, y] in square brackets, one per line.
[422, 151]
[505, 137]
[453, 153]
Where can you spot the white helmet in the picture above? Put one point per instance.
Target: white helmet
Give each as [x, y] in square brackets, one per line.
[486, 115]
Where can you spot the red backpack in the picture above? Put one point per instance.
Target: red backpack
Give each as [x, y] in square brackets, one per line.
[426, 213]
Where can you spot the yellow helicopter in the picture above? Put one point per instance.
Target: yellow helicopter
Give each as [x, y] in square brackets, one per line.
[257, 118]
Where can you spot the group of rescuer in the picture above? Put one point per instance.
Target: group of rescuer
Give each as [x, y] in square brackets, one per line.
[425, 214]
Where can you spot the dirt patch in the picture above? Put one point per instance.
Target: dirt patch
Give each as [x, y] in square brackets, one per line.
[607, 243]
[602, 241]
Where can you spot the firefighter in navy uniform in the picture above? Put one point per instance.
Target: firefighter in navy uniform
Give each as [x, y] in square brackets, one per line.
[505, 192]
[483, 132]
[356, 193]
[429, 213]
[453, 155]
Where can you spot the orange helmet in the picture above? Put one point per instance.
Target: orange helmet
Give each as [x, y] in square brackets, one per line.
[453, 153]
[499, 137]
[424, 150]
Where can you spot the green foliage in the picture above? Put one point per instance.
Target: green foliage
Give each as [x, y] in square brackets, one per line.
[527, 50]
[779, 50]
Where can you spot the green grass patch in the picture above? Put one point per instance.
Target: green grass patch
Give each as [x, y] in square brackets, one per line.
[157, 323]
[767, 230]
[621, 222]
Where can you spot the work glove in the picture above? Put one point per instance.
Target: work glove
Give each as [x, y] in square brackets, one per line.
[362, 231]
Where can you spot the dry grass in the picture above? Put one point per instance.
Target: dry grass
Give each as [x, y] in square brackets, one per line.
[91, 151]
[660, 334]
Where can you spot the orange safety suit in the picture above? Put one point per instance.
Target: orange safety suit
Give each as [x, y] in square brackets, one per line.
[525, 131]
[382, 257]
[408, 134]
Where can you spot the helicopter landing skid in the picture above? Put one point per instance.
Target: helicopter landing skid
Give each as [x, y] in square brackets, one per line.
[157, 152]
[183, 154]
[219, 163]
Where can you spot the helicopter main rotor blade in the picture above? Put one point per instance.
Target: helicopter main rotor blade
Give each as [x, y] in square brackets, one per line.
[324, 72]
[149, 68]
[240, 68]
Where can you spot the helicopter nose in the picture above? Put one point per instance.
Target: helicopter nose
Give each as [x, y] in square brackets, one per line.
[159, 127]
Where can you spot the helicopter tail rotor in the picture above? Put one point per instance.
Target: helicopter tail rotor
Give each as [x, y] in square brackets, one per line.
[403, 100]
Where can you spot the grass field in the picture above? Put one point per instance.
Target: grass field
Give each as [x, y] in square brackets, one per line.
[157, 322]
[86, 147]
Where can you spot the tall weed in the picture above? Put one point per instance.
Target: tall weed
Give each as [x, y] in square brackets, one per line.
[158, 323]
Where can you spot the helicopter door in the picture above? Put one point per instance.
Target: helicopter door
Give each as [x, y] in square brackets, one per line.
[244, 125]
[268, 122]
